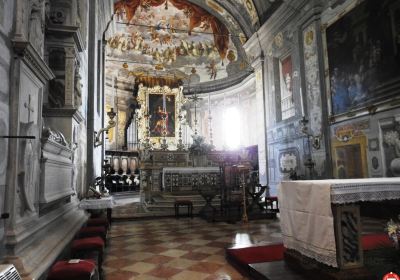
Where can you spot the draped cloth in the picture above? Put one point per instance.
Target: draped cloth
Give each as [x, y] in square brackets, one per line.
[307, 221]
[196, 17]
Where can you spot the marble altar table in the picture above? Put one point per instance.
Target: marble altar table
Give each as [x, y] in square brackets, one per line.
[321, 218]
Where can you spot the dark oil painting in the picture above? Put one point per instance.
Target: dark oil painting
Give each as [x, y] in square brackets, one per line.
[162, 111]
[364, 55]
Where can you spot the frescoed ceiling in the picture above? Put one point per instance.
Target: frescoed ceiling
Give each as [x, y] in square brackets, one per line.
[177, 40]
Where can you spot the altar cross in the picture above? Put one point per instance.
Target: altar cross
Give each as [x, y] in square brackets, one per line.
[29, 107]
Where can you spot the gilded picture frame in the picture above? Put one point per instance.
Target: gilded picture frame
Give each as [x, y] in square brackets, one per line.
[159, 107]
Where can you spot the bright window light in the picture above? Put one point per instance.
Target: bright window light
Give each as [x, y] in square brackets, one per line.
[232, 128]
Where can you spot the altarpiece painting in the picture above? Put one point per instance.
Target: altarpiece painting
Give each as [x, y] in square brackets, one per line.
[158, 116]
[162, 110]
[363, 50]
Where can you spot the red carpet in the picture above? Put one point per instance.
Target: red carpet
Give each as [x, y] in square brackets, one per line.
[257, 254]
[376, 241]
[242, 257]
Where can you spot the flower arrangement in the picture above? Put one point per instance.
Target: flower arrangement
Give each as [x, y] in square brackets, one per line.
[199, 146]
[392, 139]
[393, 230]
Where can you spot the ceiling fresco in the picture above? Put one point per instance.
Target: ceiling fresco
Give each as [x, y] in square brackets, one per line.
[172, 39]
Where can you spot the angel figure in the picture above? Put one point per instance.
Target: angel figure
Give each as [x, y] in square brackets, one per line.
[212, 69]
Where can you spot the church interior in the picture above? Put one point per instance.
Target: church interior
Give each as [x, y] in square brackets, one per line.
[199, 139]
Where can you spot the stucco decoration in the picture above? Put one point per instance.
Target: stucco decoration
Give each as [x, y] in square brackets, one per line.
[312, 77]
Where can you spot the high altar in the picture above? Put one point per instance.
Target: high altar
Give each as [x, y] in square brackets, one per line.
[166, 165]
[321, 219]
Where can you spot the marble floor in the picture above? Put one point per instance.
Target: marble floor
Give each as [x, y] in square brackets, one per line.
[187, 249]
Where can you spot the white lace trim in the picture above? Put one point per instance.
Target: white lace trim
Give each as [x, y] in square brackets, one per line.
[324, 256]
[102, 203]
[374, 191]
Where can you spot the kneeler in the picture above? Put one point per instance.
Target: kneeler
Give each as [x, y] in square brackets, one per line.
[77, 270]
[87, 248]
[91, 231]
[101, 221]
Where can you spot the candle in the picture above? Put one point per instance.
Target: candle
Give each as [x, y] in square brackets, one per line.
[302, 103]
[209, 104]
[113, 91]
[163, 103]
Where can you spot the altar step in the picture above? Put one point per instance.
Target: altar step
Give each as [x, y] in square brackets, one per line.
[164, 203]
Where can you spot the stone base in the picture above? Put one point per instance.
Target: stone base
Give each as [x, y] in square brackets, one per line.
[315, 270]
[32, 256]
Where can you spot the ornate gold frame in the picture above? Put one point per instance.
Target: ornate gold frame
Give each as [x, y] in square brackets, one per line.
[143, 114]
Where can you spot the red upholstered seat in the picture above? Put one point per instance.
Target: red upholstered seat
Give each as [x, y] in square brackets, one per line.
[98, 222]
[81, 248]
[88, 243]
[63, 270]
[93, 231]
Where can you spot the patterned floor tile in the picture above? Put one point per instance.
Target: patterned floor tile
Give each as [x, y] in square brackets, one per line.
[164, 272]
[140, 267]
[192, 275]
[174, 253]
[181, 263]
[189, 249]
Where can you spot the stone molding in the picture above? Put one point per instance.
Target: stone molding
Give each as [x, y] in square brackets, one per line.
[64, 112]
[32, 58]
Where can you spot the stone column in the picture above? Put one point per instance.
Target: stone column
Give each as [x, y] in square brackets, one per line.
[92, 89]
[69, 77]
[258, 65]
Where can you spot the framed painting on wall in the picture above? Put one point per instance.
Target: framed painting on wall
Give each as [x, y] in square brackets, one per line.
[350, 158]
[286, 86]
[162, 111]
[363, 56]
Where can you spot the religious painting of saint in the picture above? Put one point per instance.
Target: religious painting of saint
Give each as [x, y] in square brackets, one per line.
[287, 104]
[162, 111]
[364, 55]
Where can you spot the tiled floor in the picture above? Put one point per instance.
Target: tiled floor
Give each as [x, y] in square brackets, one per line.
[187, 249]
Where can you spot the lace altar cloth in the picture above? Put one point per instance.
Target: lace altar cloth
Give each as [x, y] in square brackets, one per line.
[307, 221]
[101, 203]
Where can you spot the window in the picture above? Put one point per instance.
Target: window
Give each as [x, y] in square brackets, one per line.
[231, 122]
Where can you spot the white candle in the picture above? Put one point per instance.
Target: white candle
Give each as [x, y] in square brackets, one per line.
[209, 104]
[113, 91]
[302, 103]
[163, 103]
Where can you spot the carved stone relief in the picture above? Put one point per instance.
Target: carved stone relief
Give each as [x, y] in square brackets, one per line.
[76, 159]
[3, 142]
[61, 12]
[1, 12]
[78, 86]
[312, 76]
[29, 167]
[28, 170]
[36, 25]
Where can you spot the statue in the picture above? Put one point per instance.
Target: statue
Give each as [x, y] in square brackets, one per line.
[36, 26]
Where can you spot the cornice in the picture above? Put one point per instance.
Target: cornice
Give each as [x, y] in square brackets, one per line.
[67, 31]
[63, 113]
[216, 86]
[33, 60]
